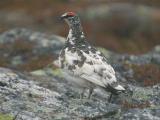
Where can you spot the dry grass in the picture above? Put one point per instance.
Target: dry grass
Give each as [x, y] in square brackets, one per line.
[38, 62]
[24, 49]
[147, 75]
[143, 105]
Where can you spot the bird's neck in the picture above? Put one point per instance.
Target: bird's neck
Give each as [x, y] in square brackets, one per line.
[76, 29]
[75, 35]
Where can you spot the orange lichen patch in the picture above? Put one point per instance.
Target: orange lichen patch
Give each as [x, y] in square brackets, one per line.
[38, 62]
[147, 75]
[128, 105]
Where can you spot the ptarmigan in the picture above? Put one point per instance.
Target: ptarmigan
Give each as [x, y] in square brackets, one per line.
[83, 65]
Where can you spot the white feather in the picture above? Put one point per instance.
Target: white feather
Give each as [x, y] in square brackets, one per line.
[91, 72]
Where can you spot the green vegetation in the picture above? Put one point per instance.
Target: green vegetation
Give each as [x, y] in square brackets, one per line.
[6, 116]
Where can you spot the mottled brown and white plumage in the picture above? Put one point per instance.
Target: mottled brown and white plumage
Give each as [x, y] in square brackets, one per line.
[83, 65]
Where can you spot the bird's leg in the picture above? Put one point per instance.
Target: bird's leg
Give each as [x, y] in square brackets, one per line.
[110, 97]
[82, 93]
[90, 93]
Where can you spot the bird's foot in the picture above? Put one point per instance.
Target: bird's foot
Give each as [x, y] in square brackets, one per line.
[110, 98]
[90, 93]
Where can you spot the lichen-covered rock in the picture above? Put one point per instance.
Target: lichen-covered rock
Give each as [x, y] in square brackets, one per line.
[28, 50]
[23, 97]
[137, 114]
[39, 98]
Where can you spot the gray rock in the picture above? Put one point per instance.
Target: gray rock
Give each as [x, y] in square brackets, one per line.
[43, 97]
[20, 47]
[26, 99]
[40, 40]
[137, 114]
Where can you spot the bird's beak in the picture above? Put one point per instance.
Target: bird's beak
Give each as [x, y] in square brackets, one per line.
[63, 17]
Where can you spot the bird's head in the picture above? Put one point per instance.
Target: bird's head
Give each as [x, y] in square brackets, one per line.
[71, 18]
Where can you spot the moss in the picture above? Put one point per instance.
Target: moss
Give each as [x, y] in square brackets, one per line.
[53, 72]
[6, 117]
[57, 72]
[38, 72]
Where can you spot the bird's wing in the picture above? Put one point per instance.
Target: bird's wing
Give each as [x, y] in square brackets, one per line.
[90, 67]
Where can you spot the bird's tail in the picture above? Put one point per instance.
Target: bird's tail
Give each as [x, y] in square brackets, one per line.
[115, 89]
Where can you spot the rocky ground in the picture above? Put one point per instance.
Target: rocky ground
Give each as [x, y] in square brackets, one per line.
[33, 89]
